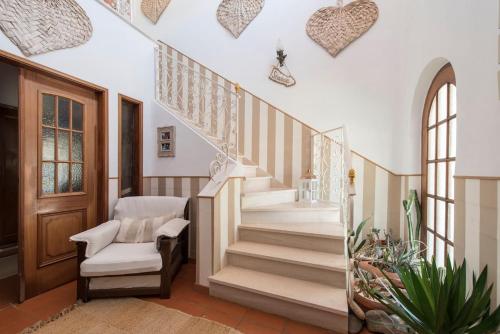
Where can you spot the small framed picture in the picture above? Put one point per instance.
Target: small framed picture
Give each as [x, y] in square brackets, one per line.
[166, 141]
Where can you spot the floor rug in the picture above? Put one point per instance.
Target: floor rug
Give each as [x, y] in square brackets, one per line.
[126, 315]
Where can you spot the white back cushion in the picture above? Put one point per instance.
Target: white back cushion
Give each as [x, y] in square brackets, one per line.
[149, 206]
[133, 230]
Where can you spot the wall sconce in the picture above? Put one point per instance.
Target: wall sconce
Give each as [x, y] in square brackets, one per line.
[280, 73]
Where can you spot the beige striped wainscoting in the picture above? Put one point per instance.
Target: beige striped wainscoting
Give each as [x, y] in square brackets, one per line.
[182, 186]
[477, 226]
[270, 138]
[379, 196]
[219, 216]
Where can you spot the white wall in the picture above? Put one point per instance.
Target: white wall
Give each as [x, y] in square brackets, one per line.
[121, 59]
[371, 85]
[9, 85]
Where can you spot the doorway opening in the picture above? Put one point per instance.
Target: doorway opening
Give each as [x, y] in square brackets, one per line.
[129, 146]
[9, 182]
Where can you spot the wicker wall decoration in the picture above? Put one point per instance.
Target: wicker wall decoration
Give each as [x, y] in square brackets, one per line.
[334, 28]
[41, 26]
[236, 15]
[153, 9]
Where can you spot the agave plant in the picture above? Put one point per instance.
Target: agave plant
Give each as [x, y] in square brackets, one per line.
[413, 212]
[354, 244]
[436, 300]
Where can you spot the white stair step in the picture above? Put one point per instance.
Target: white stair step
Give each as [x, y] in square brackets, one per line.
[310, 302]
[292, 212]
[270, 197]
[249, 170]
[257, 184]
[320, 267]
[322, 237]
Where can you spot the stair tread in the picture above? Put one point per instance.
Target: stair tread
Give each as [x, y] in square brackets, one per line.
[323, 230]
[311, 258]
[255, 178]
[268, 192]
[300, 206]
[315, 295]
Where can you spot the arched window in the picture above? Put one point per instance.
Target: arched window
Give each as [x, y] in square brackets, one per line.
[438, 165]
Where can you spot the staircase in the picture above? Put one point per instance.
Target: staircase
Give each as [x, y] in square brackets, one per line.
[289, 257]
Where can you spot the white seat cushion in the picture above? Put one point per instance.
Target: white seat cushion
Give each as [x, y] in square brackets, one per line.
[121, 259]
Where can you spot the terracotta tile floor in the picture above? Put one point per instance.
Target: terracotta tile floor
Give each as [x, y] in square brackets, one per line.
[186, 297]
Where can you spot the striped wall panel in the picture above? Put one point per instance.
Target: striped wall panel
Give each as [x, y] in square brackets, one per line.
[477, 227]
[219, 217]
[379, 196]
[180, 187]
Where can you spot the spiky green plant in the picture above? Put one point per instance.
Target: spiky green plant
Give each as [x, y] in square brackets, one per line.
[412, 208]
[436, 300]
[354, 244]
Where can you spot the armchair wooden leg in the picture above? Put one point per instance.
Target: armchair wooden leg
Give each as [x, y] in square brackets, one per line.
[82, 282]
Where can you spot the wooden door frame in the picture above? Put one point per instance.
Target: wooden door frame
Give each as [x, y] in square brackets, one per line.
[102, 145]
[139, 141]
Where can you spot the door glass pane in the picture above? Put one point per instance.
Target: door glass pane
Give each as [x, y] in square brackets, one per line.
[439, 252]
[453, 99]
[451, 221]
[48, 176]
[443, 102]
[451, 180]
[453, 138]
[63, 113]
[77, 116]
[442, 130]
[63, 145]
[431, 170]
[63, 177]
[430, 245]
[77, 147]
[77, 177]
[440, 217]
[431, 144]
[430, 213]
[48, 144]
[432, 113]
[441, 179]
[48, 110]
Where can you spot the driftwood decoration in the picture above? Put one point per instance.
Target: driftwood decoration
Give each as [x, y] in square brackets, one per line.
[41, 26]
[334, 28]
[236, 15]
[153, 9]
[282, 76]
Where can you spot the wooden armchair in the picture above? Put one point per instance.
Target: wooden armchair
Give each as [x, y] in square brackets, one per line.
[111, 269]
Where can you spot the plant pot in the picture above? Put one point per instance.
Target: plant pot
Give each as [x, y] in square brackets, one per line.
[368, 303]
[367, 266]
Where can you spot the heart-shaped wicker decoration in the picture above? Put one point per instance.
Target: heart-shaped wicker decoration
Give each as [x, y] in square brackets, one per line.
[41, 26]
[236, 15]
[334, 28]
[153, 9]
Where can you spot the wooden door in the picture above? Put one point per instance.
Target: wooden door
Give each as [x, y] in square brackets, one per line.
[8, 177]
[58, 177]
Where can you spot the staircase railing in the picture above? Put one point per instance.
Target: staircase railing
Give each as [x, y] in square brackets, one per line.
[208, 106]
[331, 160]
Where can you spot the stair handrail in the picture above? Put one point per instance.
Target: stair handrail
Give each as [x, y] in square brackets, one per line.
[331, 160]
[200, 93]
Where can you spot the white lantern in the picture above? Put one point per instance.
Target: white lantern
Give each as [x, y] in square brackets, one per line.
[309, 188]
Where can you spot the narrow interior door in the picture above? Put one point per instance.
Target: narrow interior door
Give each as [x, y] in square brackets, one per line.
[58, 177]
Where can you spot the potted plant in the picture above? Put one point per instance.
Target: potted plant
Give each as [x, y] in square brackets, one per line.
[435, 300]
